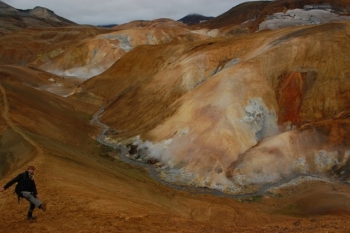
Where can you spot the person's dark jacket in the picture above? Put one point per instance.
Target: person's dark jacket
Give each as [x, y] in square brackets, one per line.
[24, 183]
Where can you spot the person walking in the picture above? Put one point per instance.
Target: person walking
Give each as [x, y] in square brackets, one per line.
[26, 188]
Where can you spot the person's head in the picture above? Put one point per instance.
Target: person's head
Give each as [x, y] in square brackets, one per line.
[31, 169]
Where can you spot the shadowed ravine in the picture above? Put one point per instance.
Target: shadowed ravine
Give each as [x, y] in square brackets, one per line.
[154, 173]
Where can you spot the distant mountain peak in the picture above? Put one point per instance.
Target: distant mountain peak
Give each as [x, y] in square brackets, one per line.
[44, 13]
[13, 19]
[194, 19]
[194, 14]
[4, 8]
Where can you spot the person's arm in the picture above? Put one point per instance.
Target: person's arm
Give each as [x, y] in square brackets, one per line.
[11, 182]
[35, 190]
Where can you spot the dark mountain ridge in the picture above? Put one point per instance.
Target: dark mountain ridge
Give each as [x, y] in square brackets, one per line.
[13, 19]
[194, 19]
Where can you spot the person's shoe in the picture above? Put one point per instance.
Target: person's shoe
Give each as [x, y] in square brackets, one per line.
[31, 218]
[43, 207]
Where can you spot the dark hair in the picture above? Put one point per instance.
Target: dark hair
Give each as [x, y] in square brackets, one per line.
[31, 168]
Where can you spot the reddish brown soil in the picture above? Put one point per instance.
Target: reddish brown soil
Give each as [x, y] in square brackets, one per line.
[85, 194]
[88, 191]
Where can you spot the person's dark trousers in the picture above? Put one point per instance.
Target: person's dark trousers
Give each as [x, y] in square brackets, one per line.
[30, 211]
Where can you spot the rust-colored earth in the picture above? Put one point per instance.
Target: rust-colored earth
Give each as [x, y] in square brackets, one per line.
[196, 86]
[86, 194]
[88, 189]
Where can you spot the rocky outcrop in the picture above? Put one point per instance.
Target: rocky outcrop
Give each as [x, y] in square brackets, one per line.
[44, 13]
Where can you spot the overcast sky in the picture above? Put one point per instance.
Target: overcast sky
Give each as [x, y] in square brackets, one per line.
[98, 12]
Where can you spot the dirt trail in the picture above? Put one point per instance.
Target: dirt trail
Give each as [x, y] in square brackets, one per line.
[39, 159]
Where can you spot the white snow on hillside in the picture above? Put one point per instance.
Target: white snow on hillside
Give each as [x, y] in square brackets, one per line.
[297, 17]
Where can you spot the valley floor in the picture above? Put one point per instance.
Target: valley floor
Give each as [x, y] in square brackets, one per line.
[85, 194]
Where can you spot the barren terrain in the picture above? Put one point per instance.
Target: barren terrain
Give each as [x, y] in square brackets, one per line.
[90, 190]
[241, 123]
[97, 195]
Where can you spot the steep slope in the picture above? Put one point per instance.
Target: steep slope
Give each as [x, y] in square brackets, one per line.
[243, 104]
[88, 191]
[94, 55]
[40, 45]
[221, 97]
[14, 151]
[263, 117]
[27, 111]
[39, 79]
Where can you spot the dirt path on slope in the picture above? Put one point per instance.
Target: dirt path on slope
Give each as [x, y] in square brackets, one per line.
[39, 158]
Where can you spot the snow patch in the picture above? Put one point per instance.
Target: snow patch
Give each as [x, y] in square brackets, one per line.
[297, 17]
